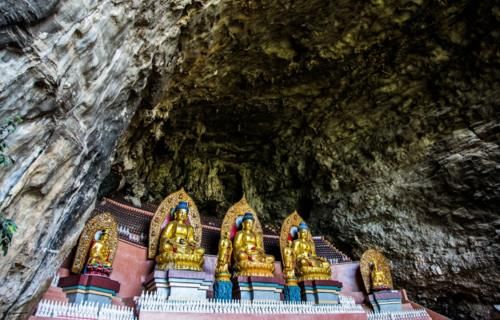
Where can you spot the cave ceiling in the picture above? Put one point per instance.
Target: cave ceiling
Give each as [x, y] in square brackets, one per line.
[330, 95]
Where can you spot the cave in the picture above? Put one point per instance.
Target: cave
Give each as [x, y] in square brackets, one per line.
[377, 121]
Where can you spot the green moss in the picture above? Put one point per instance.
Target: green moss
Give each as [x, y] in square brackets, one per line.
[279, 48]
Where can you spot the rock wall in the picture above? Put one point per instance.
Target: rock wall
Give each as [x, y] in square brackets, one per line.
[75, 72]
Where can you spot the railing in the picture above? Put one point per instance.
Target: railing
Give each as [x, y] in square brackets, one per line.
[85, 310]
[153, 302]
[420, 314]
[346, 300]
[125, 232]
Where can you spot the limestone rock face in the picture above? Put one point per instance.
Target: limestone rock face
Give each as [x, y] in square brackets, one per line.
[75, 72]
[378, 120]
[21, 12]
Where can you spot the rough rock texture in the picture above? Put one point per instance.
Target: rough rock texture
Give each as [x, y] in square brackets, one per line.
[23, 12]
[377, 119]
[76, 78]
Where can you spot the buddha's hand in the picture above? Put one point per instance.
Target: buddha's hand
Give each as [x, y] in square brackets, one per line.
[259, 250]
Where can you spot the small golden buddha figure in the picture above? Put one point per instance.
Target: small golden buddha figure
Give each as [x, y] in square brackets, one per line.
[99, 253]
[249, 256]
[224, 257]
[378, 278]
[289, 263]
[308, 265]
[178, 248]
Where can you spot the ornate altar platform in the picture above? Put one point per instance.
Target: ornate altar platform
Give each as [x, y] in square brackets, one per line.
[258, 288]
[91, 288]
[386, 301]
[321, 291]
[137, 291]
[180, 284]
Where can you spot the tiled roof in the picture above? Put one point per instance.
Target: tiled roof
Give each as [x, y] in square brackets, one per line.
[151, 207]
[133, 226]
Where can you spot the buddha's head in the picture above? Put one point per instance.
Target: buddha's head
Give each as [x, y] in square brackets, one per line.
[181, 211]
[248, 221]
[104, 235]
[303, 231]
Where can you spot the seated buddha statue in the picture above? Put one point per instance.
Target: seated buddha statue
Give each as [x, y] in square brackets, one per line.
[308, 265]
[378, 279]
[178, 248]
[99, 252]
[249, 256]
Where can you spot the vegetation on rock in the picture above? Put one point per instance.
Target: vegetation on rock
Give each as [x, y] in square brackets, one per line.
[7, 230]
[6, 128]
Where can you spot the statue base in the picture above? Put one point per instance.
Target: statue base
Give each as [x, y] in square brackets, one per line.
[321, 291]
[223, 290]
[179, 261]
[179, 284]
[98, 270]
[92, 288]
[292, 293]
[257, 288]
[386, 301]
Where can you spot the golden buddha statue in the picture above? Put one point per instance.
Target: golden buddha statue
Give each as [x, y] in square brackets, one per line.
[97, 246]
[178, 248]
[308, 265]
[100, 251]
[224, 257]
[375, 271]
[378, 279]
[249, 256]
[289, 263]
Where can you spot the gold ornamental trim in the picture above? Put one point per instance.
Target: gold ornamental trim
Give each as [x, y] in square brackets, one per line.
[238, 209]
[293, 220]
[102, 221]
[165, 208]
[368, 257]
